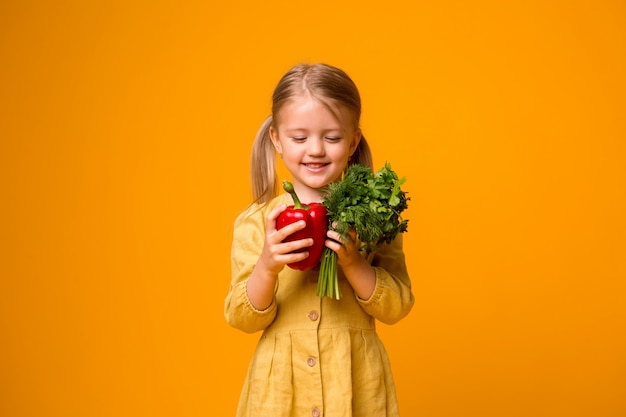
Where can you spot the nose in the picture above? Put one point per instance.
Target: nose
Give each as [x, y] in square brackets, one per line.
[316, 147]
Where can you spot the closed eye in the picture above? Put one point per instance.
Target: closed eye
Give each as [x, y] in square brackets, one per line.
[333, 138]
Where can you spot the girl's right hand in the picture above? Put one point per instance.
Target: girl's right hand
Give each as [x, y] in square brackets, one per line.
[276, 253]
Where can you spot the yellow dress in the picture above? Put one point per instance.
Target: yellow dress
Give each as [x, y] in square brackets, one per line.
[316, 356]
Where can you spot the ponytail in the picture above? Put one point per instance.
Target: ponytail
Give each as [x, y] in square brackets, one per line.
[362, 155]
[263, 165]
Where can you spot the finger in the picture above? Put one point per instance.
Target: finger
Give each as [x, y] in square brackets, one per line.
[336, 236]
[333, 245]
[273, 215]
[290, 229]
[293, 257]
[335, 242]
[277, 247]
[295, 245]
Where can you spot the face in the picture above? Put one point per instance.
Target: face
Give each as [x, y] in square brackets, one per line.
[314, 143]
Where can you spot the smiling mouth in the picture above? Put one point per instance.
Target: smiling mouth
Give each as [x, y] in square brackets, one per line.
[314, 166]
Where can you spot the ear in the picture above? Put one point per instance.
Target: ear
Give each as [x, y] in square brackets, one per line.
[275, 140]
[356, 139]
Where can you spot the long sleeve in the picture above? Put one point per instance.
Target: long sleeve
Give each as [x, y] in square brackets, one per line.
[248, 239]
[392, 298]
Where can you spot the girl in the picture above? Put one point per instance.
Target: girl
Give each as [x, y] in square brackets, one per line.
[317, 356]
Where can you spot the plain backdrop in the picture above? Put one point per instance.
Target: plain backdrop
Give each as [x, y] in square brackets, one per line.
[125, 130]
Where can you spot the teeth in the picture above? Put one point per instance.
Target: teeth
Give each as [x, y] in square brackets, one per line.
[315, 165]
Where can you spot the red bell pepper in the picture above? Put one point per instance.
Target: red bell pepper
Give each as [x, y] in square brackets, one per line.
[314, 214]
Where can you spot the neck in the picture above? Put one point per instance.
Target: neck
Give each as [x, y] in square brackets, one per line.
[308, 195]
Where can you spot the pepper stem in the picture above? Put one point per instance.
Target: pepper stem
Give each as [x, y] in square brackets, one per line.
[287, 186]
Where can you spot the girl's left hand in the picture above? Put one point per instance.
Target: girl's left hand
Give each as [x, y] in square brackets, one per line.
[356, 268]
[347, 249]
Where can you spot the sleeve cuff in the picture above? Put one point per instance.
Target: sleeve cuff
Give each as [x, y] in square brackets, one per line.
[376, 294]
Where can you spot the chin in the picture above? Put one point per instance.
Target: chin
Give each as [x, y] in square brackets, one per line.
[316, 185]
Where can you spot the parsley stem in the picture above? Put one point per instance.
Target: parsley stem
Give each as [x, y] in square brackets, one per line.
[328, 283]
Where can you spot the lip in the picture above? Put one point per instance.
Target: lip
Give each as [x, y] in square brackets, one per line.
[315, 166]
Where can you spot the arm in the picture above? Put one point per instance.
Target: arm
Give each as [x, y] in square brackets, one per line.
[383, 287]
[392, 298]
[257, 256]
[274, 256]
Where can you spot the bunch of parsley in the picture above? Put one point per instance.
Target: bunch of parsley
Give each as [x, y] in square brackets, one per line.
[371, 204]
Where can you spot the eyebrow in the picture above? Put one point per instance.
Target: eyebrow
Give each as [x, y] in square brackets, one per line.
[304, 130]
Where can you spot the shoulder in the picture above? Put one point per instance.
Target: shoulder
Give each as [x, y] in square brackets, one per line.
[249, 229]
[257, 212]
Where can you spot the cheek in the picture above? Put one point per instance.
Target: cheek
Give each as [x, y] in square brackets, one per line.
[290, 151]
[291, 155]
[342, 153]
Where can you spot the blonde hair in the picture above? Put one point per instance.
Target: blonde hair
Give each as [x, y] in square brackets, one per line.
[329, 85]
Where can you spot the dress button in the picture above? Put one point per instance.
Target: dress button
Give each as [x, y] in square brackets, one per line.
[316, 412]
[311, 361]
[313, 315]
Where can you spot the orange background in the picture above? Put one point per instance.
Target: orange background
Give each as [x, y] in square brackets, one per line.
[125, 133]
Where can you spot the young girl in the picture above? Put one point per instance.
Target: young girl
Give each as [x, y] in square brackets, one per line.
[317, 356]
